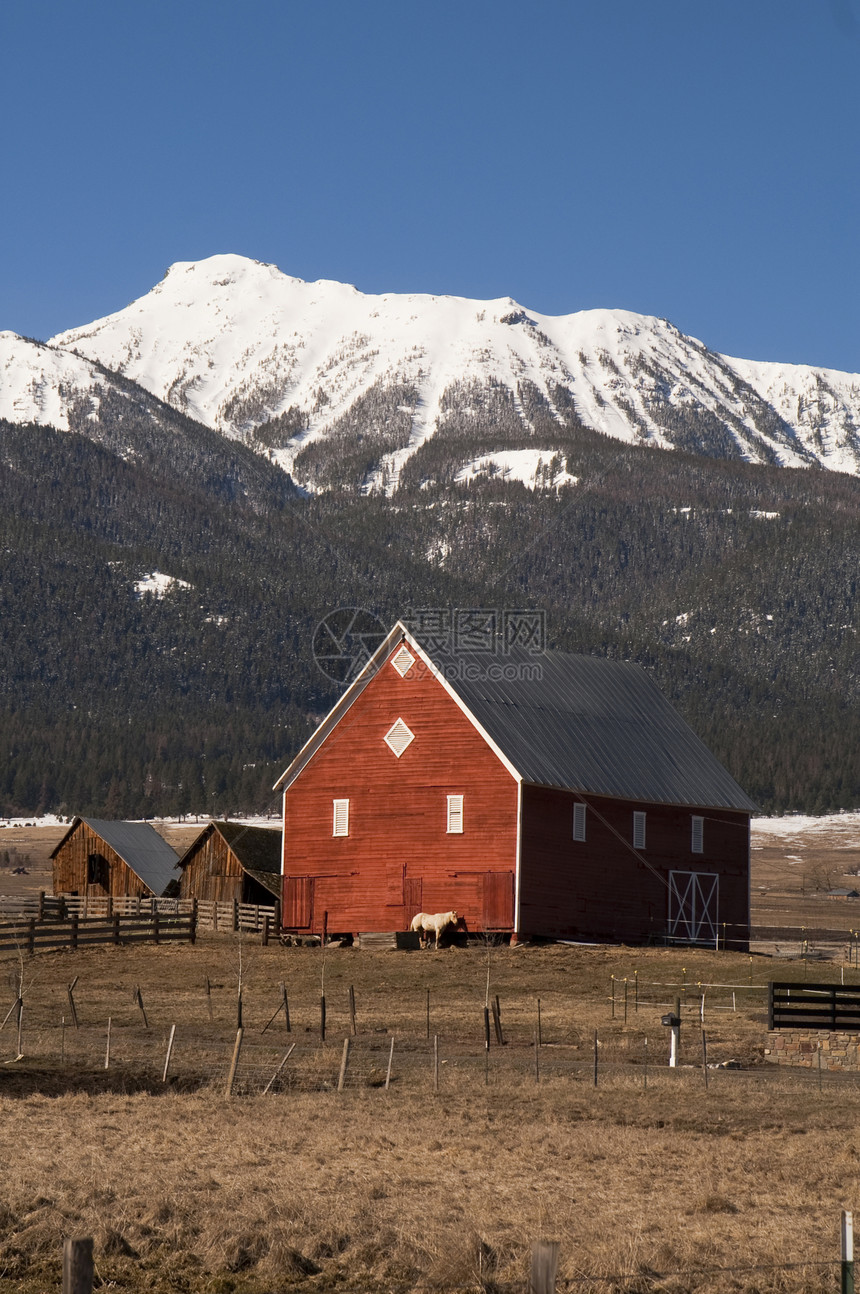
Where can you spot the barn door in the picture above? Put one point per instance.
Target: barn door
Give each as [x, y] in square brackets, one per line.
[693, 907]
[498, 900]
[412, 889]
[298, 902]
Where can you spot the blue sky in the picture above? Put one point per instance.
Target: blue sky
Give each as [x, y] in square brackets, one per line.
[682, 159]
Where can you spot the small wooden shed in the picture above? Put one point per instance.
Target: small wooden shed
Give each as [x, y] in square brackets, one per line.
[97, 859]
[229, 861]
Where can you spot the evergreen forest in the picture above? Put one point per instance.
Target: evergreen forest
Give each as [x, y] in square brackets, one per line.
[733, 585]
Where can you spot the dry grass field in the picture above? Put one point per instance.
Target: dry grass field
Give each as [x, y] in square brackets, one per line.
[651, 1181]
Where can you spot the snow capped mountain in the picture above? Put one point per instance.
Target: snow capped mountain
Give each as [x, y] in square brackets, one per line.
[344, 388]
[38, 384]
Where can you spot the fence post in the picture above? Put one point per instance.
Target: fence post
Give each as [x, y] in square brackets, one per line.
[537, 1059]
[264, 937]
[116, 927]
[234, 1063]
[435, 1062]
[277, 916]
[341, 1078]
[192, 923]
[847, 1252]
[72, 1006]
[107, 1048]
[155, 927]
[497, 1021]
[170, 1053]
[235, 915]
[544, 1267]
[31, 935]
[352, 1009]
[77, 1266]
[73, 931]
[271, 1081]
[390, 1059]
[41, 914]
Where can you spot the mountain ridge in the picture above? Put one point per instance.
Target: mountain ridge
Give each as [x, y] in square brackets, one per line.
[297, 369]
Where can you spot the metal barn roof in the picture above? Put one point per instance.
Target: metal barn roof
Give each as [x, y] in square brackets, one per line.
[258, 850]
[139, 846]
[593, 725]
[581, 723]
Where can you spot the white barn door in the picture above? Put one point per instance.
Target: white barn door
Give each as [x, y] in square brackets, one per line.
[693, 907]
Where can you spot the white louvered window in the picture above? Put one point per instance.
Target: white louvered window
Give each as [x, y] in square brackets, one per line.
[697, 838]
[403, 661]
[340, 825]
[398, 737]
[638, 830]
[455, 815]
[579, 821]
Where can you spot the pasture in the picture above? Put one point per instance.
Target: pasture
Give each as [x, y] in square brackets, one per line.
[646, 1180]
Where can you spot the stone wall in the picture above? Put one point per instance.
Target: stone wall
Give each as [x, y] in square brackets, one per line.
[800, 1047]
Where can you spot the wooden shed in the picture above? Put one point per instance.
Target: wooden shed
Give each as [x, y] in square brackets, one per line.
[229, 861]
[535, 794]
[98, 859]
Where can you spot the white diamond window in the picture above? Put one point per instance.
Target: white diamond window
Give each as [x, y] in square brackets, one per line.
[402, 662]
[398, 737]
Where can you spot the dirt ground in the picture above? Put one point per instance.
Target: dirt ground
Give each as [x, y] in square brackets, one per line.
[650, 1181]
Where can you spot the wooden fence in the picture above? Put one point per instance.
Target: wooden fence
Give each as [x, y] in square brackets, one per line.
[18, 913]
[30, 936]
[209, 915]
[813, 1006]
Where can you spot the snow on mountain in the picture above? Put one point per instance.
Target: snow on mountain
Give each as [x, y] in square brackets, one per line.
[291, 366]
[535, 468]
[39, 384]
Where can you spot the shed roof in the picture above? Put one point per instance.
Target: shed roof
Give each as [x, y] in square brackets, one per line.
[257, 849]
[581, 723]
[139, 846]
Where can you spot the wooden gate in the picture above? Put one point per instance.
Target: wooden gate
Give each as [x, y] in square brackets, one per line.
[498, 900]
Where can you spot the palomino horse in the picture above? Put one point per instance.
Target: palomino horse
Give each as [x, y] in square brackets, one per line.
[425, 924]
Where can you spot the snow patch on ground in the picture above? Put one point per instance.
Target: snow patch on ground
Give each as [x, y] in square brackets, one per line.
[799, 824]
[159, 584]
[536, 468]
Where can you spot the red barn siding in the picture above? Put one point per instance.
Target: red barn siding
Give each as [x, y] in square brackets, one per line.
[398, 857]
[601, 887]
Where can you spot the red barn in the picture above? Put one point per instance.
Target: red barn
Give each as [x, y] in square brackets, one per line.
[537, 795]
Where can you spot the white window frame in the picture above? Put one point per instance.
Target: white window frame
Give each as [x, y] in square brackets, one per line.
[455, 815]
[340, 818]
[638, 829]
[697, 834]
[579, 820]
